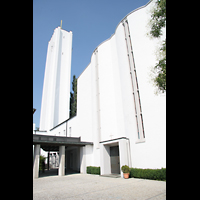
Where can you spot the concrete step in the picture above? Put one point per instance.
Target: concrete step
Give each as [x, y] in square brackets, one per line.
[111, 175]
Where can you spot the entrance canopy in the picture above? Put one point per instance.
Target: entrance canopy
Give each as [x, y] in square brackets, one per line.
[52, 143]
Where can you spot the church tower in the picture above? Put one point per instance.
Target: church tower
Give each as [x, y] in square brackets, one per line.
[56, 86]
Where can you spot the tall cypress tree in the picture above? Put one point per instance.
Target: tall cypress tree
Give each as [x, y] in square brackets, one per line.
[73, 98]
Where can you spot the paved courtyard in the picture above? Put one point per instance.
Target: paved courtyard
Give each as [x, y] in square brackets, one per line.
[86, 186]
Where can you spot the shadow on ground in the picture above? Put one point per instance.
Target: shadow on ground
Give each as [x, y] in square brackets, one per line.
[54, 172]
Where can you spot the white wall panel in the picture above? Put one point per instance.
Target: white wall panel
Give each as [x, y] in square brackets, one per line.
[84, 112]
[153, 151]
[107, 96]
[125, 85]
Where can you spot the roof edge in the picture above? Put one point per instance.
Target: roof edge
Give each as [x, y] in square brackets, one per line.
[115, 31]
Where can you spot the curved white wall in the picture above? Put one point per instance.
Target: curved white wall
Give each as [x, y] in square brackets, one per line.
[105, 103]
[153, 151]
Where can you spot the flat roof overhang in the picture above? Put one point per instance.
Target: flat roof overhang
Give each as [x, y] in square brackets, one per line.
[52, 143]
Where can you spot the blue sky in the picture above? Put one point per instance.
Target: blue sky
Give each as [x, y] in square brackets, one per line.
[91, 22]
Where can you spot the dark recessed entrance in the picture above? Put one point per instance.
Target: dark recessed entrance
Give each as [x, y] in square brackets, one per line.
[114, 160]
[68, 147]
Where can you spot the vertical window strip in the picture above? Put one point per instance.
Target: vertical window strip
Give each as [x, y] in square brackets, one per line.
[138, 132]
[135, 87]
[139, 102]
[142, 126]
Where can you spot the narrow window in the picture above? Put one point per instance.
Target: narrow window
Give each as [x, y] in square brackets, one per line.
[135, 87]
[70, 129]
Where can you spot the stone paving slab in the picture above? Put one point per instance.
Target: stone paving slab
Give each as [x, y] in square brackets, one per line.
[86, 186]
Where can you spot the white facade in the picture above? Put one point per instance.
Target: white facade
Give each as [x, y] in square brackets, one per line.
[56, 87]
[116, 102]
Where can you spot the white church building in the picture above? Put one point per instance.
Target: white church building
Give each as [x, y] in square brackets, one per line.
[118, 112]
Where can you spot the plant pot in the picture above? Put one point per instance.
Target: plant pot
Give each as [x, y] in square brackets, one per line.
[126, 175]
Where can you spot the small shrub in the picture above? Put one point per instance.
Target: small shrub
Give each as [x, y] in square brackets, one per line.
[153, 174]
[125, 169]
[42, 159]
[89, 170]
[93, 170]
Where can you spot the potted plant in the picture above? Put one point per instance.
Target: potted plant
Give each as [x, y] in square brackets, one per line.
[126, 170]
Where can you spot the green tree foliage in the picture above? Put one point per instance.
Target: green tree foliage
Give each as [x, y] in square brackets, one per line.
[160, 68]
[158, 21]
[73, 98]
